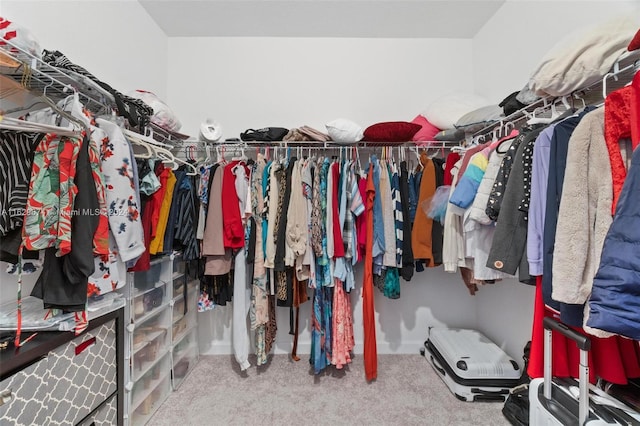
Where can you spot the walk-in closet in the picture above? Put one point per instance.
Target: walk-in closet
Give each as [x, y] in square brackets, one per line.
[282, 212]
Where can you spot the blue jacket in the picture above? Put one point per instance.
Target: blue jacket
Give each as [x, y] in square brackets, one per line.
[615, 298]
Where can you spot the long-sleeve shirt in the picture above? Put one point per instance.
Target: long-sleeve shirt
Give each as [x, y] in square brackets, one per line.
[538, 201]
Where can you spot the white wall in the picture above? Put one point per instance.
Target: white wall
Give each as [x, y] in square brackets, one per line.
[505, 51]
[117, 41]
[311, 81]
[509, 46]
[256, 82]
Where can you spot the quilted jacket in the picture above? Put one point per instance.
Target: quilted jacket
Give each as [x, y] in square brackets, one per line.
[615, 299]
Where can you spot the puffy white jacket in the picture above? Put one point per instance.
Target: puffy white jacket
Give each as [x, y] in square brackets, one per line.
[479, 205]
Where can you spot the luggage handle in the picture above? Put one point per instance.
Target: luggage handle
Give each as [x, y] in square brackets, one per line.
[437, 367]
[582, 341]
[584, 344]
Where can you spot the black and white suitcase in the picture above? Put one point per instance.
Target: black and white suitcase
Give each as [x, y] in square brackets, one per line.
[473, 367]
[567, 402]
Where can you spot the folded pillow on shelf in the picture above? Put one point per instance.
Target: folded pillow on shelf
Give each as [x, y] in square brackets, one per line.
[313, 134]
[391, 131]
[344, 131]
[583, 57]
[450, 135]
[445, 111]
[479, 118]
[427, 130]
[296, 135]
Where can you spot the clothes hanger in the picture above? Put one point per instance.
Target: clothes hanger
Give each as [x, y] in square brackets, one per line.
[542, 120]
[10, 123]
[580, 98]
[193, 172]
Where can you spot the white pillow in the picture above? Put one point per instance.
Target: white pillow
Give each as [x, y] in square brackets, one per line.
[583, 57]
[343, 130]
[445, 111]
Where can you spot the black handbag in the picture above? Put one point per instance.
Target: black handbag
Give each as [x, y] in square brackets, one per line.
[267, 134]
[153, 299]
[516, 407]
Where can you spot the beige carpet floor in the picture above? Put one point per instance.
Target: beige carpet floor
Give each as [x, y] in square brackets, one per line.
[283, 392]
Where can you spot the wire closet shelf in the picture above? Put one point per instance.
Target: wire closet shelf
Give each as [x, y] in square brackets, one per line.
[620, 75]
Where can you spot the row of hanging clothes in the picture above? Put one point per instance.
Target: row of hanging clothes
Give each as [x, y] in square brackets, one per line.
[548, 203]
[77, 207]
[281, 230]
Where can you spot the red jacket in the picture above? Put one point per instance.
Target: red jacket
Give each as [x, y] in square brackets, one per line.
[233, 229]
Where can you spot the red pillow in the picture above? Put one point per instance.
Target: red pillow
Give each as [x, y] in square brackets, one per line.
[391, 131]
[635, 42]
[427, 132]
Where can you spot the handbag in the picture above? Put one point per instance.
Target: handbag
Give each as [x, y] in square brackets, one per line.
[266, 134]
[516, 407]
[153, 299]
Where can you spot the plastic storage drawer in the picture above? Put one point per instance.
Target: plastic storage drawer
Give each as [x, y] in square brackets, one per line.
[150, 340]
[145, 302]
[185, 356]
[150, 390]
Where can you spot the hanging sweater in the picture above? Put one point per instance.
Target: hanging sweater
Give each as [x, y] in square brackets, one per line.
[510, 239]
[584, 216]
[125, 218]
[467, 186]
[218, 257]
[388, 217]
[538, 200]
[421, 237]
[622, 120]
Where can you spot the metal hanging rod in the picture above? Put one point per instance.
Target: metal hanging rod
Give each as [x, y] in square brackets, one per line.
[201, 145]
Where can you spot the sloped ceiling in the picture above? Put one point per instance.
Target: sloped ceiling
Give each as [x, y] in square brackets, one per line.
[320, 18]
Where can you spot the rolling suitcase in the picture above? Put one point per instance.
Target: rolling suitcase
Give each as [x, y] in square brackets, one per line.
[565, 402]
[473, 367]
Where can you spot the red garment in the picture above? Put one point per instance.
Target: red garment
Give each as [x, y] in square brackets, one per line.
[368, 314]
[157, 197]
[150, 216]
[231, 218]
[361, 221]
[467, 156]
[338, 249]
[452, 159]
[621, 120]
[614, 359]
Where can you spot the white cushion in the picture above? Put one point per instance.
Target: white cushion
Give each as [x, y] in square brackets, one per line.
[479, 118]
[343, 130]
[583, 57]
[445, 111]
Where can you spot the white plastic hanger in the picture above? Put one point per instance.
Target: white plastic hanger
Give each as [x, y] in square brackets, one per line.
[542, 120]
[29, 126]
